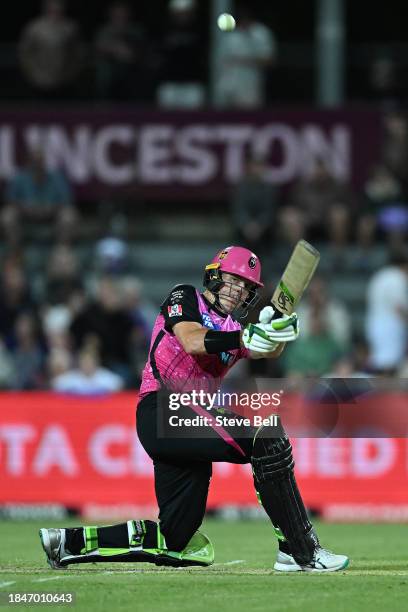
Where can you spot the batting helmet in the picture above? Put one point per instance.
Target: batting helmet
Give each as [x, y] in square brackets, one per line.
[240, 262]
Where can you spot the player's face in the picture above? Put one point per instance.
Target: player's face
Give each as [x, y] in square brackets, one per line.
[233, 292]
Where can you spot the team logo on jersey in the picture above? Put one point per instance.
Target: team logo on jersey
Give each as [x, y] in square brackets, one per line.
[252, 262]
[176, 310]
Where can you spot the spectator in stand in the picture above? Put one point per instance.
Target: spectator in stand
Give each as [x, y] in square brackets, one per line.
[324, 203]
[36, 195]
[59, 361]
[333, 313]
[106, 320]
[182, 58]
[120, 56]
[355, 364]
[142, 311]
[385, 210]
[387, 315]
[380, 190]
[253, 207]
[62, 274]
[393, 221]
[143, 315]
[7, 369]
[15, 297]
[315, 354]
[386, 84]
[56, 321]
[245, 55]
[111, 255]
[395, 146]
[28, 353]
[291, 226]
[89, 378]
[50, 52]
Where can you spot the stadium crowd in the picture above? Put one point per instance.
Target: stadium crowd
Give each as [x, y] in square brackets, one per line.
[164, 54]
[87, 328]
[123, 61]
[84, 323]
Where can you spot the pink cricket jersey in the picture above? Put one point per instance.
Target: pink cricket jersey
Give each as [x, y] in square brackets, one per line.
[169, 366]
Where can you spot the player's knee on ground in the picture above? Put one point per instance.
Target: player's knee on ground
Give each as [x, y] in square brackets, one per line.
[134, 541]
[179, 529]
[182, 497]
[177, 541]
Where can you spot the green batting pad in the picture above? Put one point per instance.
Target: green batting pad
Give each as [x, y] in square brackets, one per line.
[199, 548]
[199, 551]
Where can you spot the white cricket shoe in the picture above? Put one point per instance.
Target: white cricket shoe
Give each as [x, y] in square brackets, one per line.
[323, 561]
[53, 543]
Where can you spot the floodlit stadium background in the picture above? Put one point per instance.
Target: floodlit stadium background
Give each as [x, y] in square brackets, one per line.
[158, 140]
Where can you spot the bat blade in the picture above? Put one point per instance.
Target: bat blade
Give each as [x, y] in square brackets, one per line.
[296, 277]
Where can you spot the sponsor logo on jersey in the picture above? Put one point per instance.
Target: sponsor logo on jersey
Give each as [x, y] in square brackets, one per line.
[176, 295]
[226, 358]
[175, 310]
[206, 319]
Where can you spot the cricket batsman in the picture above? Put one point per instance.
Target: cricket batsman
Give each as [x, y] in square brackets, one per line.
[196, 339]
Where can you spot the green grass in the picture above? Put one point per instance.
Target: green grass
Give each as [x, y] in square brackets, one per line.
[377, 578]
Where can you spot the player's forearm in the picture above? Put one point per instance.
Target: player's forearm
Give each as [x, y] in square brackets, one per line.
[193, 342]
[207, 341]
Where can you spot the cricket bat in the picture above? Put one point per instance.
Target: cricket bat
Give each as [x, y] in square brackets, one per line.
[295, 279]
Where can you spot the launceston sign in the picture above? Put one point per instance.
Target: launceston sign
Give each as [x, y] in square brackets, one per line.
[194, 154]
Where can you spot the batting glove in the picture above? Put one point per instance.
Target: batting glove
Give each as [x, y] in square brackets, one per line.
[256, 339]
[284, 329]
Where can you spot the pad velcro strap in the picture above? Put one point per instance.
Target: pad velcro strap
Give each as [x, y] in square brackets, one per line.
[136, 531]
[274, 465]
[91, 539]
[266, 468]
[220, 342]
[161, 542]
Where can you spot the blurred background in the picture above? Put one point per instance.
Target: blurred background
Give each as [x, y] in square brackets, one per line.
[138, 139]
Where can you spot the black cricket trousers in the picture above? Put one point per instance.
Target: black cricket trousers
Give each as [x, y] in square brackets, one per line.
[183, 465]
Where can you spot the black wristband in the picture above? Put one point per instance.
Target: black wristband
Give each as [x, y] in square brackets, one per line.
[219, 341]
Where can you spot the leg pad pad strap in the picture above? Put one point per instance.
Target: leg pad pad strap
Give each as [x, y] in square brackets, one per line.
[272, 459]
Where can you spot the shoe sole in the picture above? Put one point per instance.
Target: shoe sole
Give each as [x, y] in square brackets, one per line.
[46, 544]
[284, 567]
[337, 568]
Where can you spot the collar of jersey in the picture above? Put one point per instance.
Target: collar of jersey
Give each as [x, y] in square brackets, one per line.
[214, 308]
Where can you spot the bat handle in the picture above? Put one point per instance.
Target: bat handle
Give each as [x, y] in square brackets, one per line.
[280, 313]
[277, 314]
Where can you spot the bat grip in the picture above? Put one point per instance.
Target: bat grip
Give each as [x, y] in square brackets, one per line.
[279, 313]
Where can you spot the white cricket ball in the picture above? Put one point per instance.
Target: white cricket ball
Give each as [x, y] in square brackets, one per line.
[226, 22]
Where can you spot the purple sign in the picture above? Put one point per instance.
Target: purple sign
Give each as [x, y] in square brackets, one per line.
[187, 154]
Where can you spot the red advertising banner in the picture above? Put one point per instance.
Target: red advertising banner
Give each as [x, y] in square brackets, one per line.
[187, 154]
[84, 453]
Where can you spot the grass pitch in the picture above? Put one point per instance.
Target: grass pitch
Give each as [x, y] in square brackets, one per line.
[242, 578]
